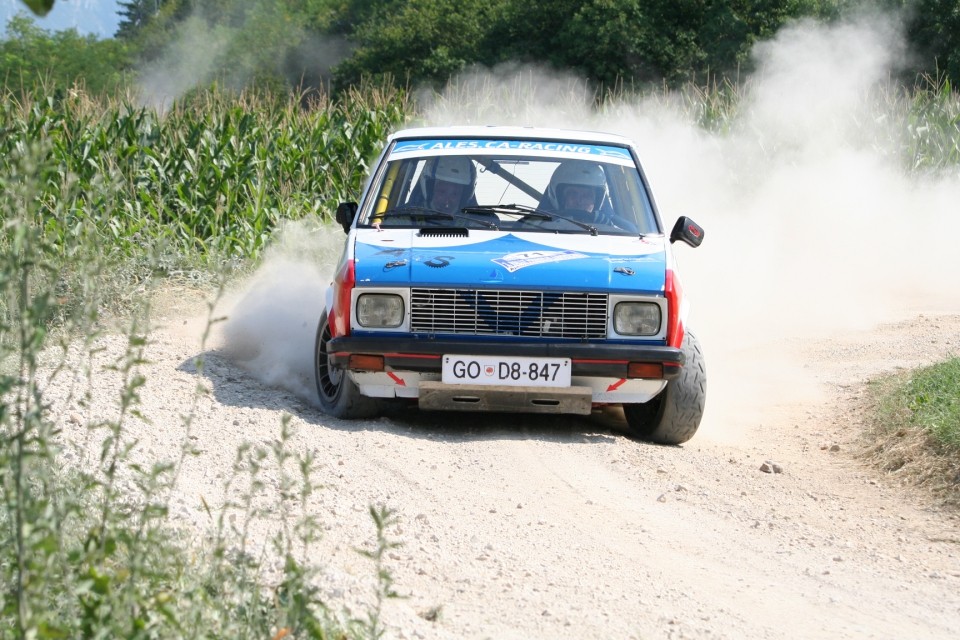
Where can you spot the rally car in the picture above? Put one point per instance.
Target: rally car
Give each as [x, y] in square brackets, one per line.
[511, 269]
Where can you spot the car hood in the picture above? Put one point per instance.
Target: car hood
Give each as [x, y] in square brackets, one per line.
[405, 257]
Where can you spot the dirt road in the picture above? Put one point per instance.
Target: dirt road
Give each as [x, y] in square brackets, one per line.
[537, 527]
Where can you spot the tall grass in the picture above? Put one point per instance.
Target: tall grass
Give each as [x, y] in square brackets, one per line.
[916, 427]
[930, 395]
[926, 400]
[96, 201]
[86, 550]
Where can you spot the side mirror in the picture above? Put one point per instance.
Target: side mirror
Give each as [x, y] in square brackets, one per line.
[687, 230]
[346, 212]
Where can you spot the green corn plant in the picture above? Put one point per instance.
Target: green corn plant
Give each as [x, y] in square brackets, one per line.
[933, 126]
[211, 178]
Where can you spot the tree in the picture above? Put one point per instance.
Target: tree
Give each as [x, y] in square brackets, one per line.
[608, 41]
[669, 40]
[613, 40]
[30, 56]
[933, 31]
[135, 15]
[420, 40]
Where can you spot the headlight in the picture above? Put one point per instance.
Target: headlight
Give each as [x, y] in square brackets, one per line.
[379, 310]
[637, 318]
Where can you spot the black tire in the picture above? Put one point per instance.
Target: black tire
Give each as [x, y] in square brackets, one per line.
[673, 417]
[338, 394]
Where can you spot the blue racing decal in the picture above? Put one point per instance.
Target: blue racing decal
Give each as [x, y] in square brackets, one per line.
[408, 146]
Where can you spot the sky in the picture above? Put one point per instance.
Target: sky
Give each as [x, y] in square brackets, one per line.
[88, 17]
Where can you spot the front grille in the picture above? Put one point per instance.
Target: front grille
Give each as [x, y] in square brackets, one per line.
[542, 314]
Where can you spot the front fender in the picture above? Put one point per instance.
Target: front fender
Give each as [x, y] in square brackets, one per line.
[327, 298]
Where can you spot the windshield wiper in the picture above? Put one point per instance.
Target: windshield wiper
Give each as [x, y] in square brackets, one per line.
[510, 209]
[531, 212]
[427, 213]
[419, 212]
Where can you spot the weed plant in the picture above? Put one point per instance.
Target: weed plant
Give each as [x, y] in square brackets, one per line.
[915, 428]
[928, 400]
[87, 550]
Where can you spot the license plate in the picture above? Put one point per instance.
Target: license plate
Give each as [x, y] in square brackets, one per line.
[511, 371]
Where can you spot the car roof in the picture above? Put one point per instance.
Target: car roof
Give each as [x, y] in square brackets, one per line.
[511, 132]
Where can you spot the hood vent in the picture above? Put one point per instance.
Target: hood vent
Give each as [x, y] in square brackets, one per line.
[444, 232]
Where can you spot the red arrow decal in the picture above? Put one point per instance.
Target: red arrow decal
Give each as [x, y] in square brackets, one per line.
[615, 385]
[397, 378]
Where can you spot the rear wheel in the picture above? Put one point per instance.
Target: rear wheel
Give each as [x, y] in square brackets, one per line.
[338, 394]
[674, 415]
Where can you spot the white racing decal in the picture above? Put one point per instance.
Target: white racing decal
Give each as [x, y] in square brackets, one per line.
[514, 261]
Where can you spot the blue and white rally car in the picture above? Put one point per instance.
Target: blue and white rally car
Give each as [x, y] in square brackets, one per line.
[511, 269]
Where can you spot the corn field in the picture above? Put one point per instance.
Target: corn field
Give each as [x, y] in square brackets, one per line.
[210, 178]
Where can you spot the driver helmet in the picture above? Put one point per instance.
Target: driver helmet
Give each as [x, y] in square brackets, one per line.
[578, 173]
[453, 169]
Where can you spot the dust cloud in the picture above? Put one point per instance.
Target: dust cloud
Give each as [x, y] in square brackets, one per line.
[209, 46]
[271, 319]
[812, 226]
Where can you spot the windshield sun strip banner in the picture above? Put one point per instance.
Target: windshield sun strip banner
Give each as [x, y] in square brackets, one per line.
[405, 148]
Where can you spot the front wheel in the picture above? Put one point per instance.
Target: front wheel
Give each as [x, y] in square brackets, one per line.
[338, 394]
[674, 415]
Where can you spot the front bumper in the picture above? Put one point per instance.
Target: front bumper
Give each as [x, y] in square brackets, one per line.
[599, 360]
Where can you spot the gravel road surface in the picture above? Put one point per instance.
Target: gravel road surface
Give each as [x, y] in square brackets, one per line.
[766, 524]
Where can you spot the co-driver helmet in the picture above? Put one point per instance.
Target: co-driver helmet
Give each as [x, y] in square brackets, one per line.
[577, 173]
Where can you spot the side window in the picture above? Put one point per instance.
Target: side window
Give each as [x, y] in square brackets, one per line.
[630, 199]
[395, 188]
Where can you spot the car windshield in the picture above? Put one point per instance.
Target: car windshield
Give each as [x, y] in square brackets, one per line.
[515, 185]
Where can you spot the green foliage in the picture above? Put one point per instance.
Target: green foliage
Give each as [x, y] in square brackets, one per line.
[39, 7]
[86, 547]
[926, 125]
[610, 41]
[157, 30]
[239, 44]
[933, 29]
[135, 14]
[384, 518]
[299, 44]
[916, 427]
[209, 180]
[933, 127]
[421, 40]
[31, 57]
[626, 40]
[931, 397]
